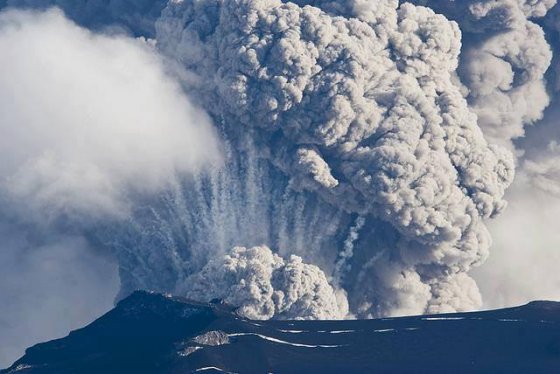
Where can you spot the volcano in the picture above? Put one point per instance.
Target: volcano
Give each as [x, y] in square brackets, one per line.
[155, 333]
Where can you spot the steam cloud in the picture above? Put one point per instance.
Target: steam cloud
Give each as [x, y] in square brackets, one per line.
[365, 145]
[88, 123]
[86, 157]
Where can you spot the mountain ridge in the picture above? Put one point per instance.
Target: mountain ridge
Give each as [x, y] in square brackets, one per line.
[155, 333]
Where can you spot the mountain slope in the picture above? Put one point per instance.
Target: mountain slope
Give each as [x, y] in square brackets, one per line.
[152, 333]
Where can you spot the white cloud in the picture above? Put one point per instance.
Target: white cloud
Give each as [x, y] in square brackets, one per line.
[87, 122]
[85, 119]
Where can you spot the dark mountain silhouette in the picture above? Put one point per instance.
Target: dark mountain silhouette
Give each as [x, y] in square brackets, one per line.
[154, 333]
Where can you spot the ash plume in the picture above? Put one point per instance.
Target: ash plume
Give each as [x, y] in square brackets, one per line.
[505, 56]
[266, 286]
[357, 108]
[363, 148]
[509, 67]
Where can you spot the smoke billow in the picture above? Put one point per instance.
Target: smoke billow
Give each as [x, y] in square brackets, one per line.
[266, 286]
[363, 144]
[356, 106]
[503, 65]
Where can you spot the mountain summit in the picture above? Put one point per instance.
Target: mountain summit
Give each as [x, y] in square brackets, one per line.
[154, 333]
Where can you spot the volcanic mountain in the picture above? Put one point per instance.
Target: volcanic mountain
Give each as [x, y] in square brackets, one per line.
[155, 333]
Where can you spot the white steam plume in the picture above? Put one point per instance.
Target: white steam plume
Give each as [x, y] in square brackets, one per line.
[88, 124]
[342, 265]
[85, 119]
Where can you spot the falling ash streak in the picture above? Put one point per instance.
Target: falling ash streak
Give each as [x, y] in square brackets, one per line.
[248, 202]
[342, 266]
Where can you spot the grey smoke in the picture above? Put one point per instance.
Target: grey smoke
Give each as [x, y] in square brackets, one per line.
[359, 136]
[360, 108]
[266, 286]
[504, 67]
[503, 63]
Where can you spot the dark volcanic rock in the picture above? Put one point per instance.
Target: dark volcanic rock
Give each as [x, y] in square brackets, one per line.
[152, 333]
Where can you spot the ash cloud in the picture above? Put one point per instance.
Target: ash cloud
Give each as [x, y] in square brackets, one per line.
[524, 242]
[509, 66]
[505, 56]
[366, 148]
[266, 286]
[358, 106]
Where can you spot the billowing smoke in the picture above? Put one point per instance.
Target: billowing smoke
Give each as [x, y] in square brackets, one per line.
[363, 144]
[267, 286]
[356, 106]
[503, 63]
[503, 66]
